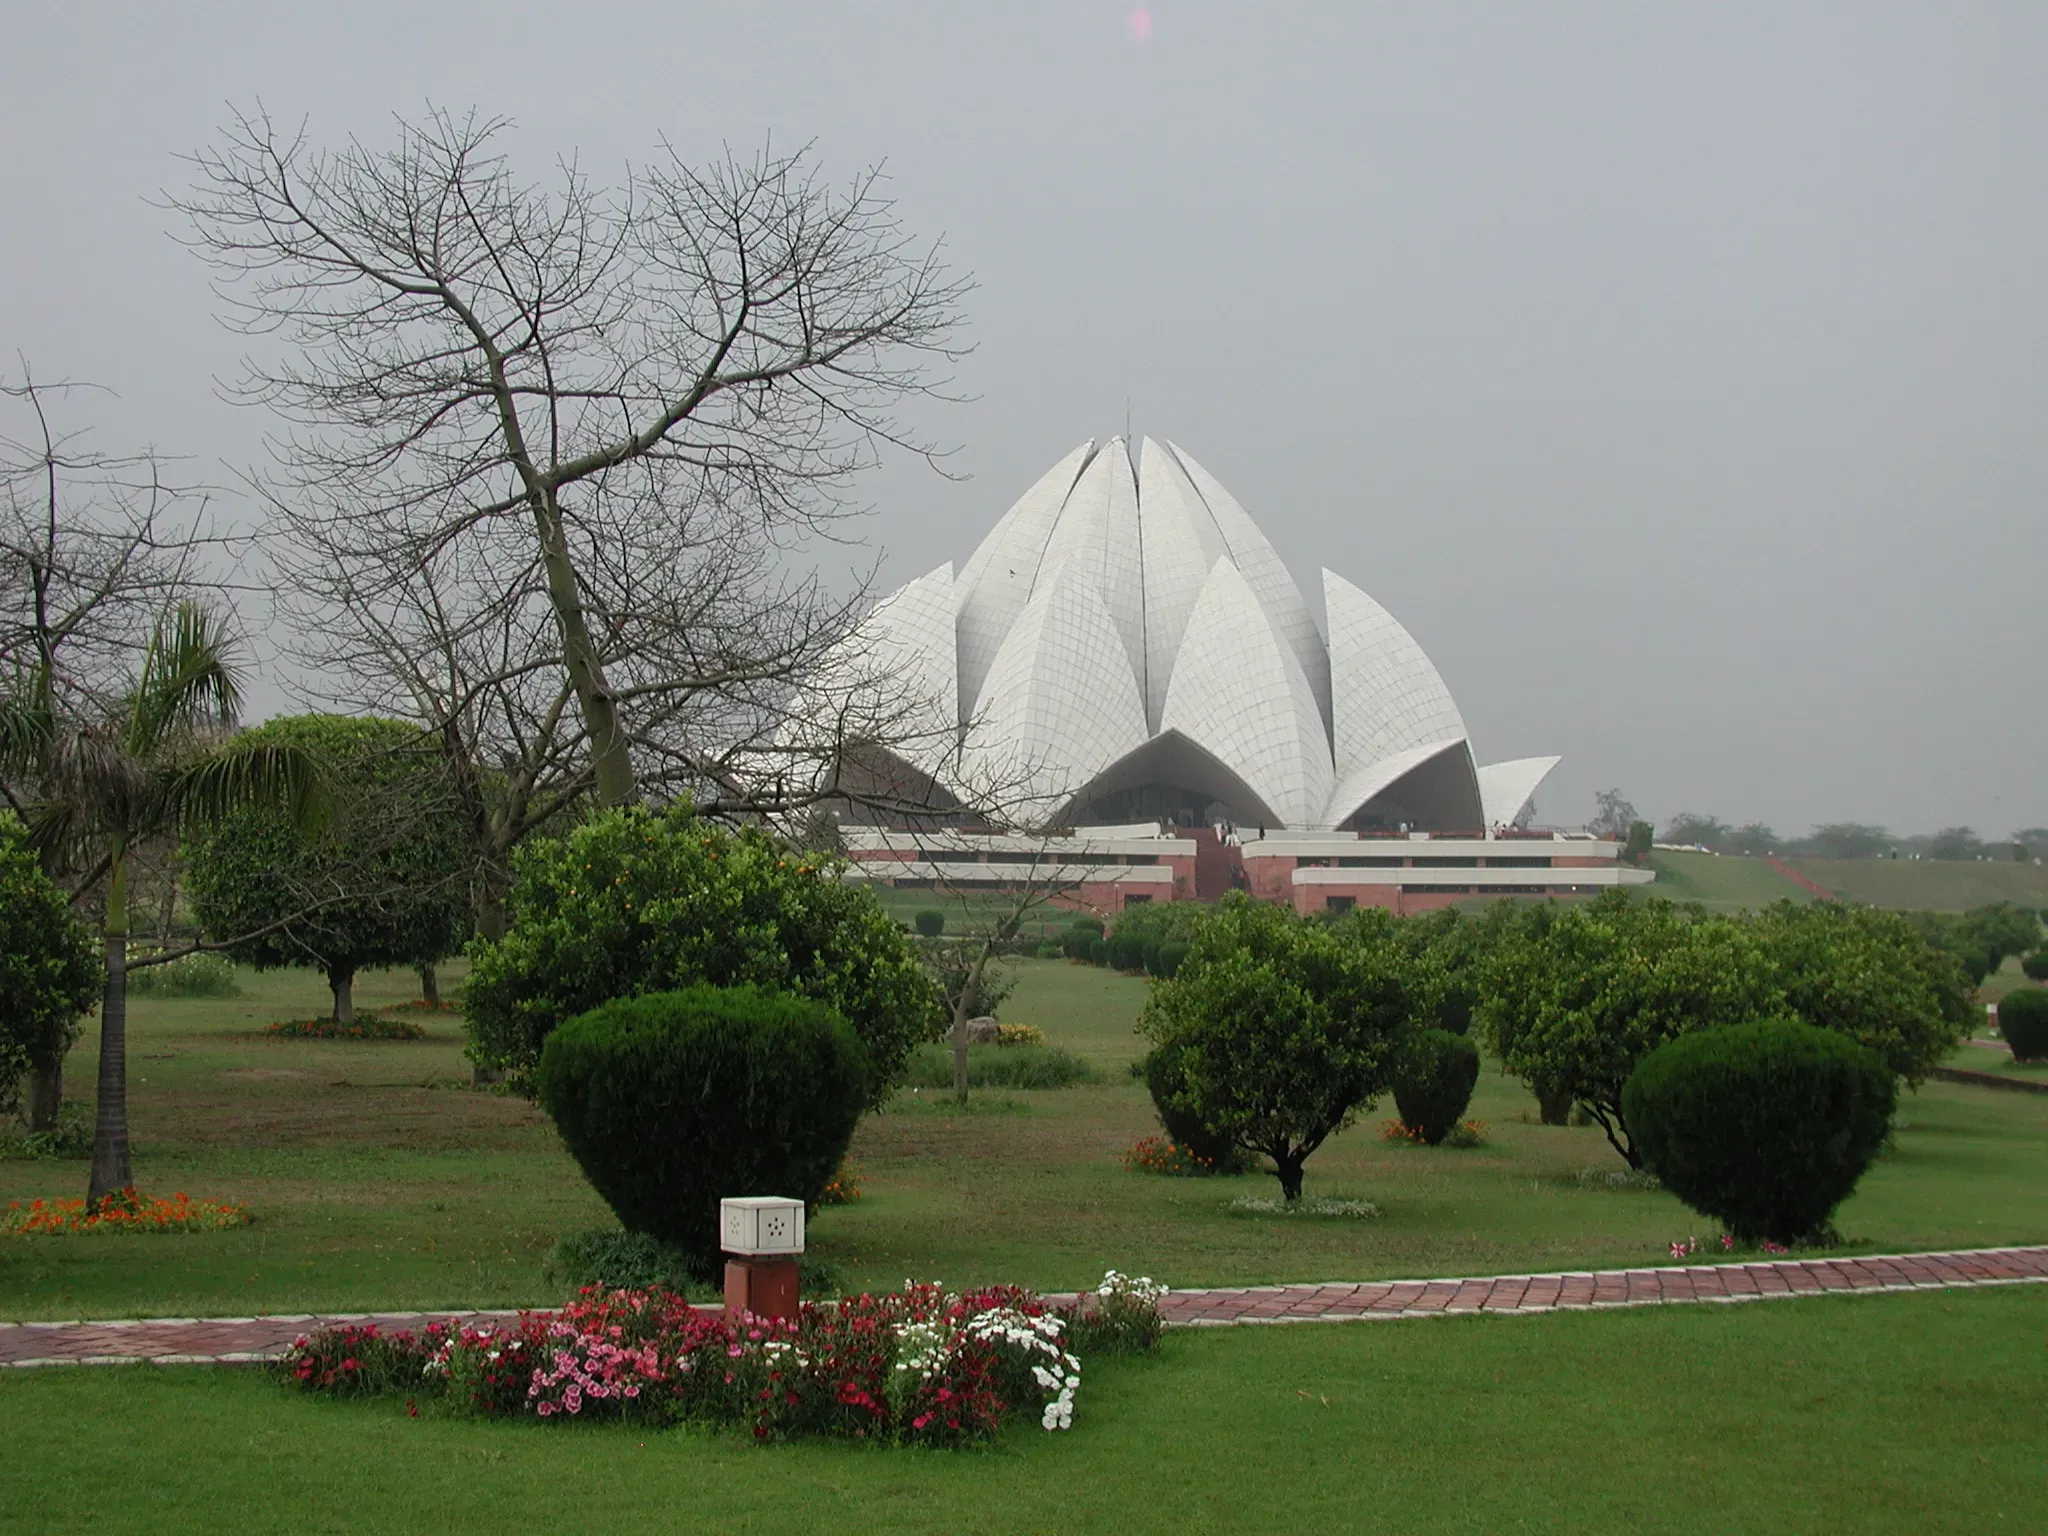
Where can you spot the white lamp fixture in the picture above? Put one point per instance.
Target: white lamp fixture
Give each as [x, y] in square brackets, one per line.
[761, 1226]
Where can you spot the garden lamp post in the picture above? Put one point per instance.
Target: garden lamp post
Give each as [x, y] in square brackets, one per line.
[762, 1236]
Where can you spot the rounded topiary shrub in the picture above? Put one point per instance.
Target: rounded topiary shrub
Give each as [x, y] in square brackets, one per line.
[1094, 949]
[930, 923]
[1433, 1082]
[1765, 1127]
[2036, 965]
[1126, 951]
[1171, 953]
[672, 1101]
[2023, 1020]
[1183, 1127]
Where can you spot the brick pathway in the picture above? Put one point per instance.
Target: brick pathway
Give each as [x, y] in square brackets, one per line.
[241, 1340]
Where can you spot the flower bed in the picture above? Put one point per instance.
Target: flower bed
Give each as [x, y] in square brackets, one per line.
[1161, 1154]
[122, 1211]
[361, 1029]
[922, 1365]
[1470, 1133]
[844, 1187]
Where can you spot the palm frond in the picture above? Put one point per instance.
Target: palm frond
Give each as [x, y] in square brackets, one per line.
[260, 774]
[25, 732]
[190, 678]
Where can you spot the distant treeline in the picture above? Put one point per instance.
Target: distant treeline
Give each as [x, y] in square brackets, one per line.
[1852, 840]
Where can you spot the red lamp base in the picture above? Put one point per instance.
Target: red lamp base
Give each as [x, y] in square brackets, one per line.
[763, 1286]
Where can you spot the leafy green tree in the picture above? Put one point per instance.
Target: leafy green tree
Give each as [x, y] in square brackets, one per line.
[49, 973]
[1613, 814]
[1278, 1031]
[1636, 848]
[635, 901]
[1575, 999]
[2001, 930]
[1752, 838]
[1846, 840]
[385, 887]
[1869, 975]
[150, 765]
[1955, 843]
[1691, 828]
[1947, 932]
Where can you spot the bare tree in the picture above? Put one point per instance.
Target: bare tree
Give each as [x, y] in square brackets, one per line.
[989, 911]
[546, 445]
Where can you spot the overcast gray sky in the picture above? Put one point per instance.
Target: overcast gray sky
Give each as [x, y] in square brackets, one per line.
[1677, 373]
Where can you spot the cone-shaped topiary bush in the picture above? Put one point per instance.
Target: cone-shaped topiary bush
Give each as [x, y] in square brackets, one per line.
[672, 1101]
[1765, 1127]
[1433, 1082]
[2023, 1020]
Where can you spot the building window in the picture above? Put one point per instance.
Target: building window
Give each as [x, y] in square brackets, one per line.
[1340, 903]
[1368, 863]
[1131, 899]
[1436, 890]
[1518, 863]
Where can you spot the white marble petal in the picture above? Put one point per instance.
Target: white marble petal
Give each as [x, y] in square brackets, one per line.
[1385, 696]
[996, 581]
[1060, 703]
[1239, 692]
[1505, 788]
[1268, 577]
[1181, 545]
[1368, 779]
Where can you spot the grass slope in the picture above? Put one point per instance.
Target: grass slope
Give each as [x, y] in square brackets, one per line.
[378, 1182]
[1720, 882]
[1834, 1414]
[1934, 884]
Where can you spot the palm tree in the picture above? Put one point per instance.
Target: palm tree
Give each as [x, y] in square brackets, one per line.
[153, 762]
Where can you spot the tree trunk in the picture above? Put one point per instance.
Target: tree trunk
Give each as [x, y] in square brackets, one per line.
[45, 1092]
[1289, 1170]
[111, 1168]
[1554, 1106]
[341, 981]
[609, 758]
[430, 986]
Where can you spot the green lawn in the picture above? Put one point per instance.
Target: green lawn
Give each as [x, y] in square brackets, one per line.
[1841, 1414]
[1940, 885]
[1730, 882]
[378, 1180]
[1720, 882]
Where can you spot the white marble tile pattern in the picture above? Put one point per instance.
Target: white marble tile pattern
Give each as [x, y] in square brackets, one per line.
[1182, 544]
[1061, 702]
[996, 582]
[1238, 690]
[1268, 577]
[1504, 788]
[1385, 695]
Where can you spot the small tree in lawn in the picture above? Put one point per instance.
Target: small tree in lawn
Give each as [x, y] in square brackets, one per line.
[1281, 1031]
[1574, 1000]
[1867, 974]
[963, 962]
[385, 888]
[49, 974]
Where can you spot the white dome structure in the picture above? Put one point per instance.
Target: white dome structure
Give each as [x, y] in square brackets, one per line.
[1125, 645]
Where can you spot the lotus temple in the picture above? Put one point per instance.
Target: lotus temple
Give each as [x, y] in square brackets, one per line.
[1124, 691]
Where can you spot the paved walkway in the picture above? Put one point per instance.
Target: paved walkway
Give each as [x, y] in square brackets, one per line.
[243, 1340]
